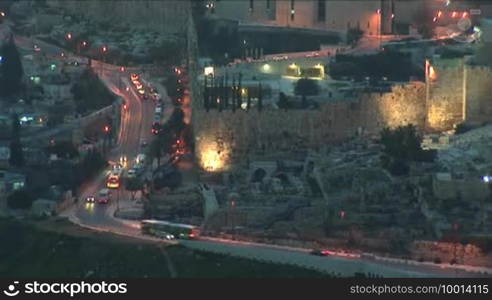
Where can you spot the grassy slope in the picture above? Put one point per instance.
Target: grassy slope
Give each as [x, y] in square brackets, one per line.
[26, 251]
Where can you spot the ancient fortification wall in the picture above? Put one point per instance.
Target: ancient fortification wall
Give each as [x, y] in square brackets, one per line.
[445, 94]
[478, 94]
[457, 92]
[167, 17]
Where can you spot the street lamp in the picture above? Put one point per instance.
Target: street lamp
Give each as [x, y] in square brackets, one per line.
[69, 36]
[379, 27]
[104, 49]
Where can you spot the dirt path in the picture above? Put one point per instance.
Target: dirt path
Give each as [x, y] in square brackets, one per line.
[170, 264]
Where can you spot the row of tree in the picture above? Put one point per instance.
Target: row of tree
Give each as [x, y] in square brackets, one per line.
[90, 93]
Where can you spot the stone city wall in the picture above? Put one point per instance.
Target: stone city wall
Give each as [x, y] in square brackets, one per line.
[478, 94]
[445, 98]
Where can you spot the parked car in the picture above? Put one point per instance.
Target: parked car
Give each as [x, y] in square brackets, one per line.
[104, 195]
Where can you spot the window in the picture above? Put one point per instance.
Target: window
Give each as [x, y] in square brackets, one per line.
[292, 10]
[271, 9]
[321, 10]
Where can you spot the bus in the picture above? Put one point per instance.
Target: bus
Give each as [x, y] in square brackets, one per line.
[168, 229]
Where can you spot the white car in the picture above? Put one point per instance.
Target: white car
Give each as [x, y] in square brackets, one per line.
[131, 173]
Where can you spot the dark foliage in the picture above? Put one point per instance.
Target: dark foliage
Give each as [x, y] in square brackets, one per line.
[63, 149]
[306, 87]
[402, 145]
[20, 199]
[16, 153]
[354, 35]
[11, 71]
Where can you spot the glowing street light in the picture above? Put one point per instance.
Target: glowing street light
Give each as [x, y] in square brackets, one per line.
[454, 14]
[104, 49]
[84, 44]
[69, 36]
[465, 14]
[2, 14]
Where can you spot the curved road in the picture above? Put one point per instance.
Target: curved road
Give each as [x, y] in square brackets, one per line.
[135, 125]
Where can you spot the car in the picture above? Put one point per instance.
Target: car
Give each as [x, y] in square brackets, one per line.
[134, 77]
[141, 91]
[104, 195]
[320, 252]
[123, 161]
[140, 158]
[90, 199]
[36, 48]
[139, 86]
[119, 166]
[165, 235]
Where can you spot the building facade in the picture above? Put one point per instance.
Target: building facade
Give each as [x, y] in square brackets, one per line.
[371, 16]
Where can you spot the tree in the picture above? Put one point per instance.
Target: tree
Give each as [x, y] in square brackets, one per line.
[11, 71]
[260, 98]
[16, 126]
[423, 18]
[92, 163]
[64, 149]
[20, 199]
[176, 121]
[155, 150]
[90, 93]
[16, 154]
[306, 87]
[401, 145]
[283, 102]
[483, 55]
